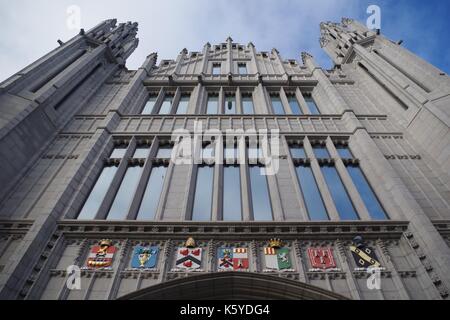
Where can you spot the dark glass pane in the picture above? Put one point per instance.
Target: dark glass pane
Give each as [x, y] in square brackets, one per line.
[183, 105]
[141, 153]
[230, 105]
[311, 194]
[242, 69]
[118, 153]
[148, 108]
[321, 152]
[203, 194]
[312, 105]
[152, 194]
[277, 106]
[213, 105]
[97, 194]
[262, 209]
[370, 199]
[164, 153]
[231, 194]
[298, 152]
[247, 105]
[344, 152]
[340, 196]
[122, 201]
[295, 107]
[166, 105]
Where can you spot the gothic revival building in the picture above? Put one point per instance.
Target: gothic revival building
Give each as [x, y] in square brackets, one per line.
[93, 204]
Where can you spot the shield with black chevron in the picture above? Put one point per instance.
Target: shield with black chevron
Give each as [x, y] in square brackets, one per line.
[364, 255]
[189, 258]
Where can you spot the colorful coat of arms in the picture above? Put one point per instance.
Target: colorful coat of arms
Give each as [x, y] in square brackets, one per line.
[189, 257]
[144, 257]
[277, 257]
[101, 256]
[321, 258]
[233, 259]
[365, 256]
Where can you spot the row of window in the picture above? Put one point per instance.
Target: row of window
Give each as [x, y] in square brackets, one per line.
[231, 190]
[169, 105]
[217, 68]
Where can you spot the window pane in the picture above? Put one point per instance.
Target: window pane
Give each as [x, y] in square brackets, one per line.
[255, 153]
[311, 194]
[295, 107]
[231, 194]
[97, 194]
[213, 105]
[312, 105]
[321, 152]
[118, 153]
[344, 152]
[152, 194]
[230, 153]
[216, 69]
[340, 196]
[148, 108]
[141, 153]
[230, 105]
[203, 194]
[370, 199]
[247, 105]
[298, 152]
[183, 105]
[242, 69]
[208, 151]
[277, 106]
[166, 106]
[262, 210]
[122, 201]
[164, 153]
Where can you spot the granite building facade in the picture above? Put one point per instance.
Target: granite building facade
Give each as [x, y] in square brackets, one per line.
[93, 207]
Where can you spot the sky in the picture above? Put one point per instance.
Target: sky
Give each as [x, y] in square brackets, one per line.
[30, 28]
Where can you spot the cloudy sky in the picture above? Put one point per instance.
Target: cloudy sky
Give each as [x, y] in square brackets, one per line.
[30, 28]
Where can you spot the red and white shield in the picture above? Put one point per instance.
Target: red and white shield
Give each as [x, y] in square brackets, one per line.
[100, 257]
[321, 258]
[240, 259]
[189, 258]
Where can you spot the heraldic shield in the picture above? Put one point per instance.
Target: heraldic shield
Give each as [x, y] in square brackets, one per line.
[277, 257]
[363, 255]
[321, 258]
[144, 257]
[101, 256]
[233, 259]
[189, 258]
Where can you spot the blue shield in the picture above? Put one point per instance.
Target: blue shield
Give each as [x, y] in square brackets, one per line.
[144, 257]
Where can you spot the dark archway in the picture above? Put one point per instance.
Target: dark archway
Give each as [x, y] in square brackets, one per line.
[233, 286]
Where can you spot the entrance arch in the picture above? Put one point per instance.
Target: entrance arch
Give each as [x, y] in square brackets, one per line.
[233, 286]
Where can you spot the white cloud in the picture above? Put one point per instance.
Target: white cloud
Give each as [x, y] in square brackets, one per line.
[29, 29]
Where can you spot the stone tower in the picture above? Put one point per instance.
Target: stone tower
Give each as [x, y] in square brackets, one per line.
[89, 182]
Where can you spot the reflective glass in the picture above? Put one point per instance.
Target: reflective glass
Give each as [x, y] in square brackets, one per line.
[321, 152]
[93, 202]
[312, 105]
[231, 194]
[297, 152]
[247, 105]
[141, 153]
[183, 105]
[118, 153]
[164, 152]
[213, 105]
[203, 194]
[230, 105]
[242, 69]
[148, 108]
[311, 194]
[277, 106]
[166, 105]
[262, 209]
[344, 152]
[295, 107]
[152, 194]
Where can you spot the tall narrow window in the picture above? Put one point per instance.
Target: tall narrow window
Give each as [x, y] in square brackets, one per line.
[344, 152]
[262, 209]
[164, 152]
[212, 105]
[152, 194]
[148, 108]
[277, 105]
[203, 194]
[321, 152]
[166, 105]
[340, 196]
[93, 202]
[247, 105]
[295, 107]
[230, 104]
[297, 152]
[311, 194]
[231, 194]
[242, 68]
[312, 105]
[118, 152]
[183, 104]
[124, 196]
[141, 152]
[216, 68]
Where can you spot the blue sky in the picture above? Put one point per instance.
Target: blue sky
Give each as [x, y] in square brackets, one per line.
[30, 29]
